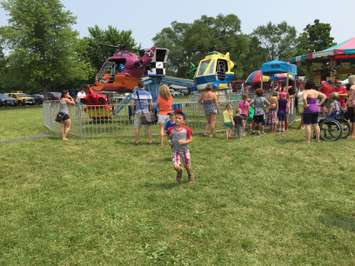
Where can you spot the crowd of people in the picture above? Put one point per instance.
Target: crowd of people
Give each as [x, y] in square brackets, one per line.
[249, 116]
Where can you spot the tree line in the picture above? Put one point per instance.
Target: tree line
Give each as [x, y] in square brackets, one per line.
[40, 51]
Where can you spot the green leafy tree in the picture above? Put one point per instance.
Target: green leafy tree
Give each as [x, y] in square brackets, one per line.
[315, 37]
[42, 45]
[190, 42]
[279, 40]
[101, 44]
[2, 68]
[173, 38]
[253, 57]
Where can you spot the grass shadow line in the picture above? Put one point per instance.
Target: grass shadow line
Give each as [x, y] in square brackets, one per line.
[160, 186]
[337, 220]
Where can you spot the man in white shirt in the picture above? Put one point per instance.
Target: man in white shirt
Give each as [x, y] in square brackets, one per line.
[81, 95]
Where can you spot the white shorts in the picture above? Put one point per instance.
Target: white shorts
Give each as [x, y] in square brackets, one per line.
[162, 119]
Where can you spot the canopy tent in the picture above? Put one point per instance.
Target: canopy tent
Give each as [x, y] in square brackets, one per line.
[255, 77]
[274, 67]
[339, 52]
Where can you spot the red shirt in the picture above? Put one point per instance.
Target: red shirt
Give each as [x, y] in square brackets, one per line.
[244, 107]
[342, 99]
[327, 89]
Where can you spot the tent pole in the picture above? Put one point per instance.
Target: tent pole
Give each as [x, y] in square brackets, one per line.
[287, 81]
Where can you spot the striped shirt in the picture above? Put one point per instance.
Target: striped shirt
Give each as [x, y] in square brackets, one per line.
[142, 99]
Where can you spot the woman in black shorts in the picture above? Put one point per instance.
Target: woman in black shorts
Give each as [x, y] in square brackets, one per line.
[63, 114]
[311, 110]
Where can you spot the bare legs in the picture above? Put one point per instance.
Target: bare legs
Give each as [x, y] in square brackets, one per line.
[213, 119]
[282, 126]
[136, 132]
[308, 132]
[317, 129]
[149, 134]
[244, 126]
[161, 133]
[273, 127]
[137, 135]
[179, 171]
[207, 129]
[210, 128]
[65, 129]
[229, 133]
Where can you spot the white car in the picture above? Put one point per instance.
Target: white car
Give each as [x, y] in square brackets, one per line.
[176, 93]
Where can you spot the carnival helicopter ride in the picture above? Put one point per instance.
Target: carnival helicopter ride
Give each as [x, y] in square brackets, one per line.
[121, 73]
[124, 69]
[216, 70]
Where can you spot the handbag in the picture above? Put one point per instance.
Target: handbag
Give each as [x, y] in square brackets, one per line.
[148, 118]
[59, 117]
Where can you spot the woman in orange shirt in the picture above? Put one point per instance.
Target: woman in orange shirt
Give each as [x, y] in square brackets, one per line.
[165, 105]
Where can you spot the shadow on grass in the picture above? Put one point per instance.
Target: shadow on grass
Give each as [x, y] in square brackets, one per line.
[337, 220]
[285, 140]
[25, 138]
[159, 186]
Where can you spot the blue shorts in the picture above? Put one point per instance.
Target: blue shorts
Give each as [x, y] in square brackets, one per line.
[281, 116]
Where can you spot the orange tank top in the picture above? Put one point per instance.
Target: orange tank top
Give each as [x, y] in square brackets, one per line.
[165, 106]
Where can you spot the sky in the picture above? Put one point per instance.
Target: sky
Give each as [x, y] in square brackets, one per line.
[146, 18]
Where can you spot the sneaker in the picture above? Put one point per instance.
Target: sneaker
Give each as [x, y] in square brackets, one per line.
[190, 179]
[179, 176]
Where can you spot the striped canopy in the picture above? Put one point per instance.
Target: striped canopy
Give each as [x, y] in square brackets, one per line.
[255, 77]
[341, 51]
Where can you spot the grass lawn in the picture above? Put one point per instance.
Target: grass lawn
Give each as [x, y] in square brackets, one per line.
[269, 200]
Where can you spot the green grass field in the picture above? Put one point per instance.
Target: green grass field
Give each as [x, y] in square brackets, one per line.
[269, 200]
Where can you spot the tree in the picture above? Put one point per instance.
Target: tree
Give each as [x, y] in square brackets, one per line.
[189, 43]
[2, 67]
[315, 37]
[173, 38]
[100, 44]
[42, 45]
[279, 40]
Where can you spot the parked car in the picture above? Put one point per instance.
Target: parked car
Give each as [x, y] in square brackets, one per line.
[176, 93]
[38, 98]
[5, 100]
[185, 91]
[52, 96]
[22, 98]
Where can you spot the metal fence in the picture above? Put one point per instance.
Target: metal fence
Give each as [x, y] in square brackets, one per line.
[105, 121]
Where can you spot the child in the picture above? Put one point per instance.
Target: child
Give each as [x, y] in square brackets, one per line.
[250, 119]
[169, 124]
[244, 106]
[228, 120]
[282, 111]
[260, 103]
[335, 107]
[273, 111]
[181, 136]
[238, 123]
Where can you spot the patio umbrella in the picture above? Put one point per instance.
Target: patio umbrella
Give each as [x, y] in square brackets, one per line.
[255, 77]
